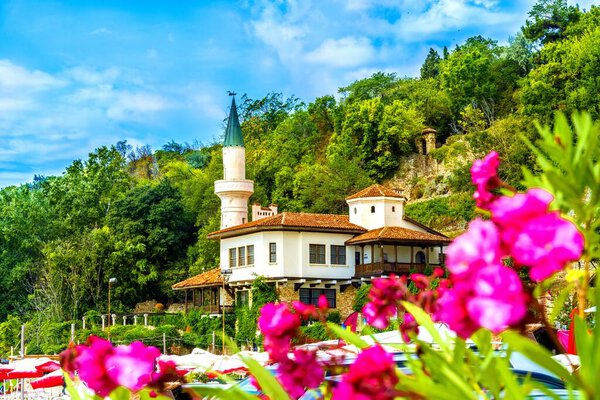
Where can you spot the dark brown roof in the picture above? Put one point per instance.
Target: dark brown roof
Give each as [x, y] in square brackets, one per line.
[398, 234]
[289, 220]
[375, 191]
[208, 278]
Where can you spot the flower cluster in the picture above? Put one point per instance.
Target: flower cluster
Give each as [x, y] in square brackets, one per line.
[279, 323]
[386, 294]
[103, 367]
[371, 377]
[484, 291]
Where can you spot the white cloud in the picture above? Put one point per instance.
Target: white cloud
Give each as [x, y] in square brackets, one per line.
[14, 77]
[133, 105]
[344, 52]
[439, 16]
[101, 31]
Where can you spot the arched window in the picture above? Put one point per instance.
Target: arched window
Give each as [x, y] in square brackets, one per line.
[393, 209]
[372, 209]
[354, 210]
[420, 257]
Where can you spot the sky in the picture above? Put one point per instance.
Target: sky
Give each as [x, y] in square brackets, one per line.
[77, 75]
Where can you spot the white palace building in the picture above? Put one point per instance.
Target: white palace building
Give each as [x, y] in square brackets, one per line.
[306, 255]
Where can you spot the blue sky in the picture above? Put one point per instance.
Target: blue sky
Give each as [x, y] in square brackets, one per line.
[81, 74]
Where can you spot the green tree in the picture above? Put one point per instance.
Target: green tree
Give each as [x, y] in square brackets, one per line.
[152, 232]
[431, 66]
[368, 88]
[549, 19]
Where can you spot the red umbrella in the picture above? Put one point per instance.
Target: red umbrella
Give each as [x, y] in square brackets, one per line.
[572, 348]
[32, 368]
[52, 379]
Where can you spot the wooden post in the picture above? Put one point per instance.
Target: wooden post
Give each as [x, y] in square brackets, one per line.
[412, 256]
[372, 257]
[22, 356]
[186, 301]
[396, 269]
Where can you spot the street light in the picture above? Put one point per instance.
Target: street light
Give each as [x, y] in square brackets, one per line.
[225, 273]
[111, 281]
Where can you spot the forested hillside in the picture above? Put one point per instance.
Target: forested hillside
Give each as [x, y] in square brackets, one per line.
[142, 216]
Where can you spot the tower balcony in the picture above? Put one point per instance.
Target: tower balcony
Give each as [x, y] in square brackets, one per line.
[234, 186]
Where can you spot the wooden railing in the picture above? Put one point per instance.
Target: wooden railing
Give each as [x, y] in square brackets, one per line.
[379, 268]
[213, 308]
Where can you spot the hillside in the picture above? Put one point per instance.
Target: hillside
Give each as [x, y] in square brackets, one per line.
[142, 216]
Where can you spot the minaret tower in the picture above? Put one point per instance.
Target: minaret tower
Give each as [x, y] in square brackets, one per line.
[234, 190]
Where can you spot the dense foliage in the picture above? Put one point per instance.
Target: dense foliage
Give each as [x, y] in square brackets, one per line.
[142, 216]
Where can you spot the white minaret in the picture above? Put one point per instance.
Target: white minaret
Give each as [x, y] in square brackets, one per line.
[234, 190]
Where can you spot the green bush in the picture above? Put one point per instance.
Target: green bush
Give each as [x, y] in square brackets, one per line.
[361, 297]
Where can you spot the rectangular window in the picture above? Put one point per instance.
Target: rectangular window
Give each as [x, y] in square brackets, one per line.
[241, 256]
[338, 255]
[250, 254]
[241, 297]
[232, 257]
[272, 252]
[311, 296]
[317, 253]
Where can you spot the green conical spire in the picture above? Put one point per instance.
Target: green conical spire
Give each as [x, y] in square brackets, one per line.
[233, 134]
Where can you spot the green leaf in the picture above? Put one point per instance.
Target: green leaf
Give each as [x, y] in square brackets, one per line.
[269, 384]
[348, 336]
[120, 393]
[538, 355]
[221, 393]
[559, 302]
[424, 320]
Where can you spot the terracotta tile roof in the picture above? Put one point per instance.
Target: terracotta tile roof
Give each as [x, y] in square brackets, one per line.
[208, 278]
[396, 233]
[375, 191]
[315, 222]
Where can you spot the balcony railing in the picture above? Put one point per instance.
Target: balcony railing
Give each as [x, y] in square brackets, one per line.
[213, 308]
[379, 268]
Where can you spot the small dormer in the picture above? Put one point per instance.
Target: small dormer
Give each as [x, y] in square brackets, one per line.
[260, 212]
[375, 207]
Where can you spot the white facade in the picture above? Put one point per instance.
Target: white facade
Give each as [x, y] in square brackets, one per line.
[234, 189]
[377, 212]
[291, 258]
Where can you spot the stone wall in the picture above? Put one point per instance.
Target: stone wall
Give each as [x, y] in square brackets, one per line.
[344, 299]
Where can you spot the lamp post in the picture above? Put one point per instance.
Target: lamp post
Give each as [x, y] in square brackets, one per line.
[225, 273]
[110, 283]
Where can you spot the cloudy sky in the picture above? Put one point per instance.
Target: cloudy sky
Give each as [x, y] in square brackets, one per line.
[75, 75]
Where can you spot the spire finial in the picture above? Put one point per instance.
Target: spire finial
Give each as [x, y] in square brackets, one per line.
[233, 133]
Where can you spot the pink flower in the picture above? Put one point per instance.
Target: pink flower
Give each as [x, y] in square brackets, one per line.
[371, 377]
[484, 174]
[409, 325]
[323, 303]
[534, 236]
[498, 300]
[546, 244]
[305, 311]
[132, 366]
[384, 297]
[278, 325]
[492, 298]
[90, 361]
[300, 373]
[518, 209]
[477, 247]
[452, 310]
